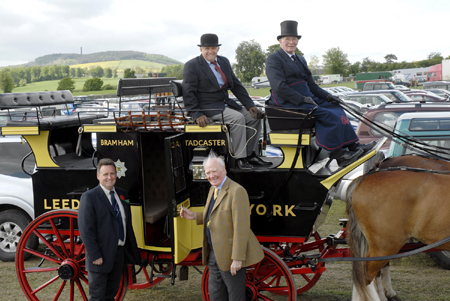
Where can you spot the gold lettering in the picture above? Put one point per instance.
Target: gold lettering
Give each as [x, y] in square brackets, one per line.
[75, 204]
[277, 210]
[65, 204]
[46, 206]
[56, 204]
[289, 210]
[259, 211]
[251, 207]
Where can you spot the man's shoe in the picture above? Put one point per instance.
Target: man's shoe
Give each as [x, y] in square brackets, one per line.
[243, 165]
[366, 147]
[255, 160]
[348, 156]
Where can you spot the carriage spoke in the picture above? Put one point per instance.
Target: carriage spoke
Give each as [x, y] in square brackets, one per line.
[48, 244]
[59, 239]
[61, 288]
[45, 285]
[81, 289]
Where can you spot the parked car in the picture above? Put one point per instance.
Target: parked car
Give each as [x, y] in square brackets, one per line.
[370, 86]
[436, 85]
[368, 99]
[425, 96]
[387, 114]
[401, 88]
[402, 82]
[439, 92]
[393, 95]
[432, 128]
[16, 194]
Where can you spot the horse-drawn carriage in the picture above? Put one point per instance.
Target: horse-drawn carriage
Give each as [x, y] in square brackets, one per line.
[159, 154]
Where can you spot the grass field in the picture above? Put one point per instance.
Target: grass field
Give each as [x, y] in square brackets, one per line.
[122, 65]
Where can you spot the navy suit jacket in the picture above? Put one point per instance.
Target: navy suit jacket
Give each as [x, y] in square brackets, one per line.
[99, 230]
[202, 91]
[281, 72]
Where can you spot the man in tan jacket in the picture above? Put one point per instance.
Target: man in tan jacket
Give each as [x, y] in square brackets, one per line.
[228, 243]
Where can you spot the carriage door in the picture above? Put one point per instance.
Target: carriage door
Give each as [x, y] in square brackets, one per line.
[186, 234]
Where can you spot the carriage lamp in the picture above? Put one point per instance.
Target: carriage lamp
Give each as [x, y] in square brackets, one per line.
[196, 167]
[197, 170]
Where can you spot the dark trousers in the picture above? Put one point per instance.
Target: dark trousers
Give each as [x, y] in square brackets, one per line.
[104, 286]
[223, 286]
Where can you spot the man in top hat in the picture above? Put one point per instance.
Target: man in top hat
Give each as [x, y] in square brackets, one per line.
[293, 86]
[206, 82]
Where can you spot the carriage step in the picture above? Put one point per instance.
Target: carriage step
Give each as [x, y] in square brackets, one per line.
[331, 240]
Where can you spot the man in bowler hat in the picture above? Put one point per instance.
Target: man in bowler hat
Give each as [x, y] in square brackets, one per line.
[206, 82]
[293, 86]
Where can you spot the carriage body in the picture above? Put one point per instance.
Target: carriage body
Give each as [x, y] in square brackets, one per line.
[158, 158]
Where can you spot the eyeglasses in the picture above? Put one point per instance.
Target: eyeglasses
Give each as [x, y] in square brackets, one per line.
[293, 39]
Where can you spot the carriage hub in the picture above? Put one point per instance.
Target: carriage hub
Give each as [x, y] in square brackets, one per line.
[68, 270]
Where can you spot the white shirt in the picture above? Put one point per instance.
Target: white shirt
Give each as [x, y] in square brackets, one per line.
[122, 212]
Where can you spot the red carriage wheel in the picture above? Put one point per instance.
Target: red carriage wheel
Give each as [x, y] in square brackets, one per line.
[265, 280]
[56, 271]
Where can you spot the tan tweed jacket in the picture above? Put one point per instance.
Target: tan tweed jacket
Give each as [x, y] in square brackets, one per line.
[231, 236]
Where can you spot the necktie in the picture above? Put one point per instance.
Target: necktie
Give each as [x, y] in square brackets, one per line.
[294, 58]
[218, 69]
[216, 192]
[118, 215]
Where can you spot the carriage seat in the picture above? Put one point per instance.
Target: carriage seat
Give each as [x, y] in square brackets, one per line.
[18, 104]
[176, 88]
[154, 211]
[287, 119]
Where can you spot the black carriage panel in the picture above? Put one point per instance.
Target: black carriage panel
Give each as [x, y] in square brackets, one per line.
[57, 188]
[123, 149]
[290, 214]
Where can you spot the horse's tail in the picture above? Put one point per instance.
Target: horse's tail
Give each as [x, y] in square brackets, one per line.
[357, 243]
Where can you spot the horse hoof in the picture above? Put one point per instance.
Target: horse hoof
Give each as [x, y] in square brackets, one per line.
[395, 298]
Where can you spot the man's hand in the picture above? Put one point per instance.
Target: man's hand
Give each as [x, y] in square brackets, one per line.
[236, 265]
[203, 121]
[310, 101]
[186, 213]
[98, 261]
[333, 99]
[256, 113]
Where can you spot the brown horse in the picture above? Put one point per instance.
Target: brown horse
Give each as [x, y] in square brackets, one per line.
[387, 208]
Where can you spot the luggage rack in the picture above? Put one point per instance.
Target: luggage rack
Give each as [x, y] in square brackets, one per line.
[151, 120]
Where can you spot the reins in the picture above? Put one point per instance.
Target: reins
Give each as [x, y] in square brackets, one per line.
[398, 136]
[380, 258]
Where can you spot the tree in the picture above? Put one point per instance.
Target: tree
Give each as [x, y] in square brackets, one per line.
[335, 61]
[365, 64]
[6, 81]
[354, 68]
[390, 58]
[66, 84]
[93, 84]
[108, 73]
[97, 72]
[173, 71]
[313, 63]
[250, 60]
[128, 73]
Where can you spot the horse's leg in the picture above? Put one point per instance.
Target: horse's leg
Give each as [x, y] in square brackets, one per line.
[379, 287]
[371, 291]
[389, 292]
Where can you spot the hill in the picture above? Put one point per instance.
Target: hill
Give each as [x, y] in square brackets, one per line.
[105, 56]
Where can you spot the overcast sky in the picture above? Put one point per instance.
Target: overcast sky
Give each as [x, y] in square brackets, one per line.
[409, 29]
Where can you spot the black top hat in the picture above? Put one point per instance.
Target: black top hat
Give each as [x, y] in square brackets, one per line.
[209, 40]
[288, 29]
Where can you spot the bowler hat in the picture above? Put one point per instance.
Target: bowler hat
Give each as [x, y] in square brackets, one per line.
[209, 40]
[288, 29]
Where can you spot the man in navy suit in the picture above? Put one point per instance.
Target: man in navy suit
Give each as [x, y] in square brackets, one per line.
[104, 220]
[293, 86]
[206, 82]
